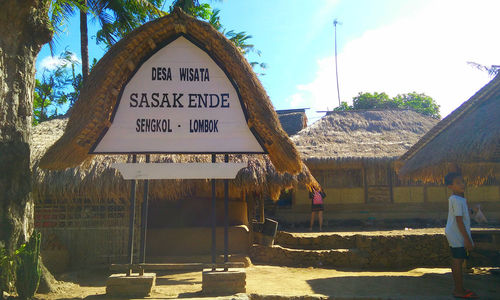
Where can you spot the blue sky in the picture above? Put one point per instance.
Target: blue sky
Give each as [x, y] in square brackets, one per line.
[383, 46]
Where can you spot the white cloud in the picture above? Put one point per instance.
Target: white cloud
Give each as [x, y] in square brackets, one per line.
[426, 53]
[51, 62]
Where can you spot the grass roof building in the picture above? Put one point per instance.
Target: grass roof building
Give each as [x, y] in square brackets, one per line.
[352, 155]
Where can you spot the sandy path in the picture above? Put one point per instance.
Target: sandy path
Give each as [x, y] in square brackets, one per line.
[284, 281]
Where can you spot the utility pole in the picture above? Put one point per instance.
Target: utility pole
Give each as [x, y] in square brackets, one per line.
[335, 22]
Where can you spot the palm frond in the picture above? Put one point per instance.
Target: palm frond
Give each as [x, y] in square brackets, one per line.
[491, 70]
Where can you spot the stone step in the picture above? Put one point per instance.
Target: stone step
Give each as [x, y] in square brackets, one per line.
[278, 255]
[367, 251]
[325, 241]
[367, 258]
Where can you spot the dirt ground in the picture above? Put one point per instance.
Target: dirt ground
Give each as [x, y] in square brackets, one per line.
[294, 282]
[268, 282]
[385, 232]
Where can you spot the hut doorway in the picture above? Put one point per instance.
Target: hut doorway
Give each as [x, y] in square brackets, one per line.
[378, 183]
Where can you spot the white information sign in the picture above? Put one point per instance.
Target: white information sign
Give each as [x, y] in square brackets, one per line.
[179, 101]
[179, 170]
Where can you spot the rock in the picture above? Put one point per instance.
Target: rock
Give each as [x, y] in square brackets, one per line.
[130, 286]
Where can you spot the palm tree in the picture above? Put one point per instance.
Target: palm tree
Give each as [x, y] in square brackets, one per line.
[126, 16]
[115, 17]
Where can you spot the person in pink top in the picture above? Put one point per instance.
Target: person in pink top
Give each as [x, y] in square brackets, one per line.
[317, 206]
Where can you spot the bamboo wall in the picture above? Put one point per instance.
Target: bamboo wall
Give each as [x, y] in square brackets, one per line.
[90, 232]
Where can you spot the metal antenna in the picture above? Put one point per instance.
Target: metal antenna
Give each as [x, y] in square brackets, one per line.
[335, 22]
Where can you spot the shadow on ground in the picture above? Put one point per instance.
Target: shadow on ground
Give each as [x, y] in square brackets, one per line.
[429, 286]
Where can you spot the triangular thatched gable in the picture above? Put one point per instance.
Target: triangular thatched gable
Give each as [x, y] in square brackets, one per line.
[351, 137]
[92, 112]
[467, 140]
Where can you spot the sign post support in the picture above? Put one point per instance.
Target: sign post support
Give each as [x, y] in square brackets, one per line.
[144, 218]
[132, 221]
[226, 217]
[214, 220]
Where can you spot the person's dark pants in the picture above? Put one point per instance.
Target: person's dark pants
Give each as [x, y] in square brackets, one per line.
[459, 253]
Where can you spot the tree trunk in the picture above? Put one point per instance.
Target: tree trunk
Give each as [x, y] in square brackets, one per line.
[24, 28]
[84, 44]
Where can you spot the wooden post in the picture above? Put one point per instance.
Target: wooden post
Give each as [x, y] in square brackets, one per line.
[261, 208]
[389, 175]
[132, 219]
[226, 217]
[214, 221]
[365, 183]
[144, 218]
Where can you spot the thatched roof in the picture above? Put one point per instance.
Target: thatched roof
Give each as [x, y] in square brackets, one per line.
[351, 137]
[292, 120]
[467, 140]
[92, 112]
[95, 179]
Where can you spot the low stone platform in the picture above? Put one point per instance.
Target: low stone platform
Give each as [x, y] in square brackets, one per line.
[220, 282]
[378, 250]
[134, 285]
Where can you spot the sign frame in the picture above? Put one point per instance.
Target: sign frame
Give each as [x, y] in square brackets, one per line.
[160, 46]
[145, 171]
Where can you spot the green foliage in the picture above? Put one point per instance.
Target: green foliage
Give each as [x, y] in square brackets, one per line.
[9, 264]
[239, 39]
[60, 12]
[372, 101]
[343, 107]
[116, 17]
[204, 11]
[418, 102]
[51, 91]
[119, 17]
[7, 271]
[29, 271]
[214, 20]
[188, 6]
[195, 8]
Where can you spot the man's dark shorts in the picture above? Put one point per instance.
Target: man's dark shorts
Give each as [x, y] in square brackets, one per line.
[459, 253]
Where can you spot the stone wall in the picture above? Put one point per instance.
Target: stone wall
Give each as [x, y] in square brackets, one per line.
[364, 251]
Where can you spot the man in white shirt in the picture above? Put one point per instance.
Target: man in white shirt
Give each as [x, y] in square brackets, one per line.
[458, 232]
